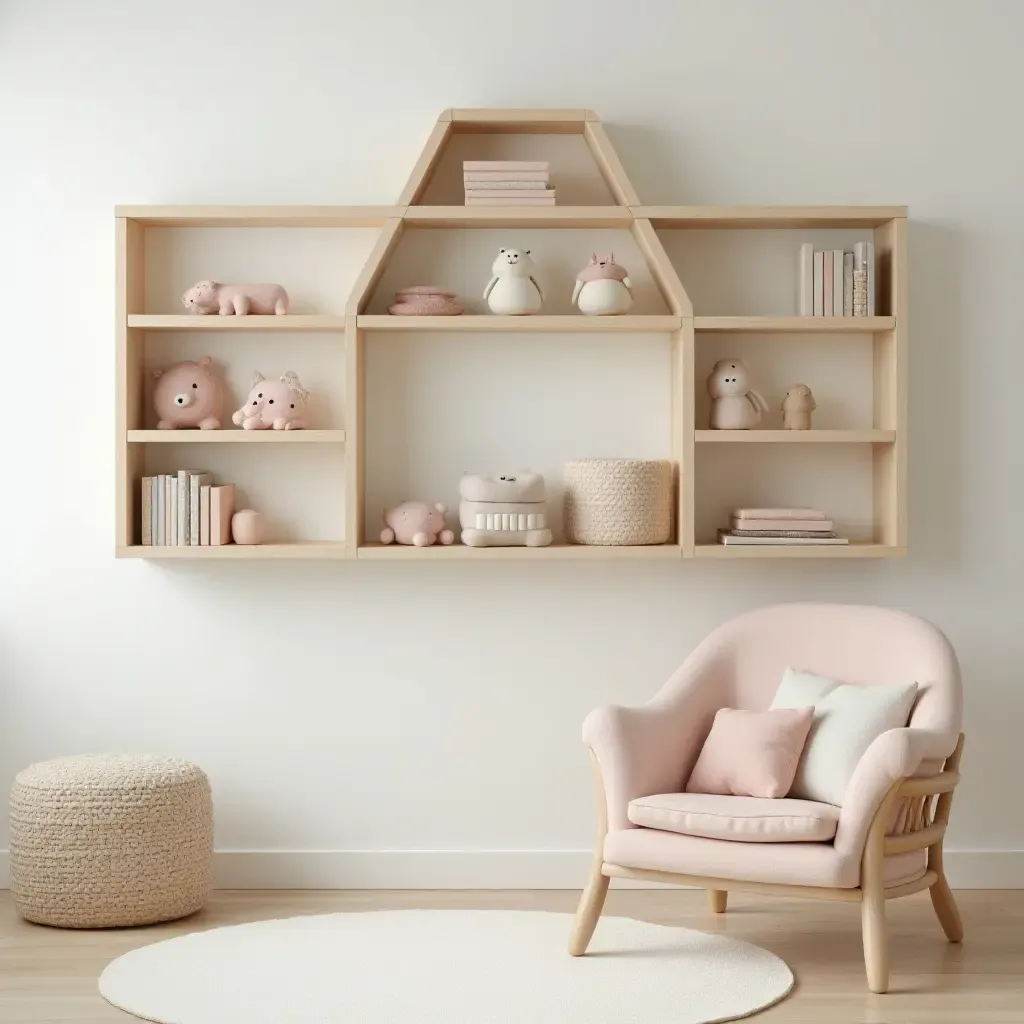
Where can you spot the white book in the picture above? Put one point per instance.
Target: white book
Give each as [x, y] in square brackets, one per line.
[158, 509]
[819, 284]
[864, 259]
[805, 280]
[181, 536]
[204, 515]
[847, 284]
[146, 509]
[837, 282]
[196, 478]
[730, 540]
[172, 533]
[505, 165]
[507, 183]
[828, 279]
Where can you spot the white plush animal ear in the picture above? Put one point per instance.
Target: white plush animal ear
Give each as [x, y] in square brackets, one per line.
[291, 379]
[256, 378]
[441, 508]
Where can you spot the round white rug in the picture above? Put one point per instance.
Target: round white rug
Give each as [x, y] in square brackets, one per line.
[444, 967]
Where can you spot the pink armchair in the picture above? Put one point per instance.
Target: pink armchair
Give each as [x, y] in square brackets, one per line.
[896, 806]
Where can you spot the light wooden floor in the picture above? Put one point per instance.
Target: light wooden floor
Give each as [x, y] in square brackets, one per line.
[50, 975]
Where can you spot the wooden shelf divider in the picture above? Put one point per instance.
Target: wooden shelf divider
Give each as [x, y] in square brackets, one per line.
[235, 435]
[569, 324]
[279, 324]
[796, 436]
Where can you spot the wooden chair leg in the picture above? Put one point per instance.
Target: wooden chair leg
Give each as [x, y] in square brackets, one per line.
[588, 912]
[876, 939]
[942, 896]
[718, 899]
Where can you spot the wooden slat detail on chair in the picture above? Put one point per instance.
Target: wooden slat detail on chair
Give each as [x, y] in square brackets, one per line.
[916, 840]
[926, 881]
[929, 785]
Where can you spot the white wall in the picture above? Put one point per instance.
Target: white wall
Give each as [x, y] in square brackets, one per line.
[372, 707]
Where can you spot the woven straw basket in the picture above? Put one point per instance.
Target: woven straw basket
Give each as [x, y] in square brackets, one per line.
[618, 501]
[109, 840]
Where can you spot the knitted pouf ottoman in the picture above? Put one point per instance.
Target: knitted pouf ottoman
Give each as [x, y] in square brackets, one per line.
[108, 840]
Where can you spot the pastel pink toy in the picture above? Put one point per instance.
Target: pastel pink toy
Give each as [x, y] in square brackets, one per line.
[189, 395]
[238, 299]
[415, 522]
[603, 287]
[272, 404]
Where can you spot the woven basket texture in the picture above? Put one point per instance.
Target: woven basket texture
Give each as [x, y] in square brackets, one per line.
[618, 501]
[109, 840]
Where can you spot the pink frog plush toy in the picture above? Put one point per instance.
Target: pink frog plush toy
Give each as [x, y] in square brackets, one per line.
[238, 299]
[603, 287]
[415, 522]
[189, 395]
[272, 404]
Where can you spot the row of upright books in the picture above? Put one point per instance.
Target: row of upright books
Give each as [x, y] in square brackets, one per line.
[836, 282]
[186, 509]
[507, 183]
[779, 526]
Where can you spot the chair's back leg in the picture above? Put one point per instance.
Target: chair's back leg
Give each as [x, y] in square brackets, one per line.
[942, 896]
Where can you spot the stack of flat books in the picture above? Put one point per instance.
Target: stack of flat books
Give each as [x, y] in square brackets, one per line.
[186, 509]
[779, 526]
[507, 183]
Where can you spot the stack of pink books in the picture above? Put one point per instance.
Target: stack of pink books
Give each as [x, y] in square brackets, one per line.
[779, 526]
[507, 183]
[186, 509]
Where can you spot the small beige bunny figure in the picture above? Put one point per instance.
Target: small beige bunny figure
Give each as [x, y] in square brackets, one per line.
[735, 404]
[797, 407]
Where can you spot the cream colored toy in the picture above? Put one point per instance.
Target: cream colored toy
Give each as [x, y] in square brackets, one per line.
[735, 404]
[513, 289]
[503, 511]
[797, 407]
[603, 287]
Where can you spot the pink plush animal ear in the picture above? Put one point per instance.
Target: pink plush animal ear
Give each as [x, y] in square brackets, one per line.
[441, 508]
[157, 374]
[206, 361]
[593, 258]
[610, 258]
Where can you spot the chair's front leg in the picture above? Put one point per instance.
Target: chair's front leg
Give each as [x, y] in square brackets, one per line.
[872, 887]
[592, 900]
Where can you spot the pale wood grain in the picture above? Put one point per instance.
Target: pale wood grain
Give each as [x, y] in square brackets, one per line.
[518, 217]
[795, 324]
[609, 164]
[153, 322]
[559, 324]
[769, 216]
[259, 216]
[554, 552]
[245, 552]
[229, 436]
[855, 549]
[427, 163]
[796, 436]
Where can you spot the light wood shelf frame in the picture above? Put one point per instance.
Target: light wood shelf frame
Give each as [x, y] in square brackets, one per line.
[887, 436]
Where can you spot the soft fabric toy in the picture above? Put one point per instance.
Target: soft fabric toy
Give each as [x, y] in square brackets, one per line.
[415, 522]
[603, 287]
[797, 407]
[272, 403]
[513, 289]
[189, 395]
[736, 405]
[238, 299]
[503, 511]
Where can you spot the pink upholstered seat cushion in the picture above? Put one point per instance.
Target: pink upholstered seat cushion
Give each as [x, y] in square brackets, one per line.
[744, 819]
[751, 753]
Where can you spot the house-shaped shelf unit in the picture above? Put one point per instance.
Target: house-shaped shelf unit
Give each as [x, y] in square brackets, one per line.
[710, 282]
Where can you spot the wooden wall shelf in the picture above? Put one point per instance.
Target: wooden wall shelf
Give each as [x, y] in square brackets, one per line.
[885, 441]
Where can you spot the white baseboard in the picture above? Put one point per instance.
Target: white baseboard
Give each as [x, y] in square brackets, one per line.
[492, 869]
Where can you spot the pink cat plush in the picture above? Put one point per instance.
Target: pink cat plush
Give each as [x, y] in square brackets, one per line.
[272, 404]
[238, 299]
[603, 287]
[189, 395]
[416, 522]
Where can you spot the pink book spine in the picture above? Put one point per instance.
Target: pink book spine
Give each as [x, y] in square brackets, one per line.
[503, 176]
[505, 165]
[827, 281]
[204, 515]
[512, 193]
[222, 508]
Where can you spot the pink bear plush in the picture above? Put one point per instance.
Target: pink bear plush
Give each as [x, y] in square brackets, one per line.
[272, 404]
[416, 522]
[189, 395]
[238, 299]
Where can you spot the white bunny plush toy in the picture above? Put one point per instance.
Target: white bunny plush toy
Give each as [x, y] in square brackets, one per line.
[735, 404]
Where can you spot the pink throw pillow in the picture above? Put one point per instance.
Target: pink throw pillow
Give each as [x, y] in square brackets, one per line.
[751, 753]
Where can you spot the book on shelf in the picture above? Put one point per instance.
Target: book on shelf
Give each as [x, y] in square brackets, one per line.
[814, 525]
[511, 193]
[786, 512]
[504, 175]
[729, 538]
[196, 479]
[222, 508]
[505, 165]
[780, 533]
[146, 504]
[507, 185]
[470, 201]
[172, 510]
[836, 282]
[204, 514]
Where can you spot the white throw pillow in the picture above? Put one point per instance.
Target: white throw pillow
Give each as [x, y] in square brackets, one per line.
[847, 719]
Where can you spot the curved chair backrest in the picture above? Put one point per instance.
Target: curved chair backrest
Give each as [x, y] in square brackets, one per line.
[850, 643]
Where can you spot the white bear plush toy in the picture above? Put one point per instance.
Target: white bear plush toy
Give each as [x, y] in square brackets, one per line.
[735, 404]
[513, 289]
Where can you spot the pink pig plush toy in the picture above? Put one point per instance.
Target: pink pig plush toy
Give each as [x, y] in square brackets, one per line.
[237, 299]
[416, 522]
[189, 395]
[272, 404]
